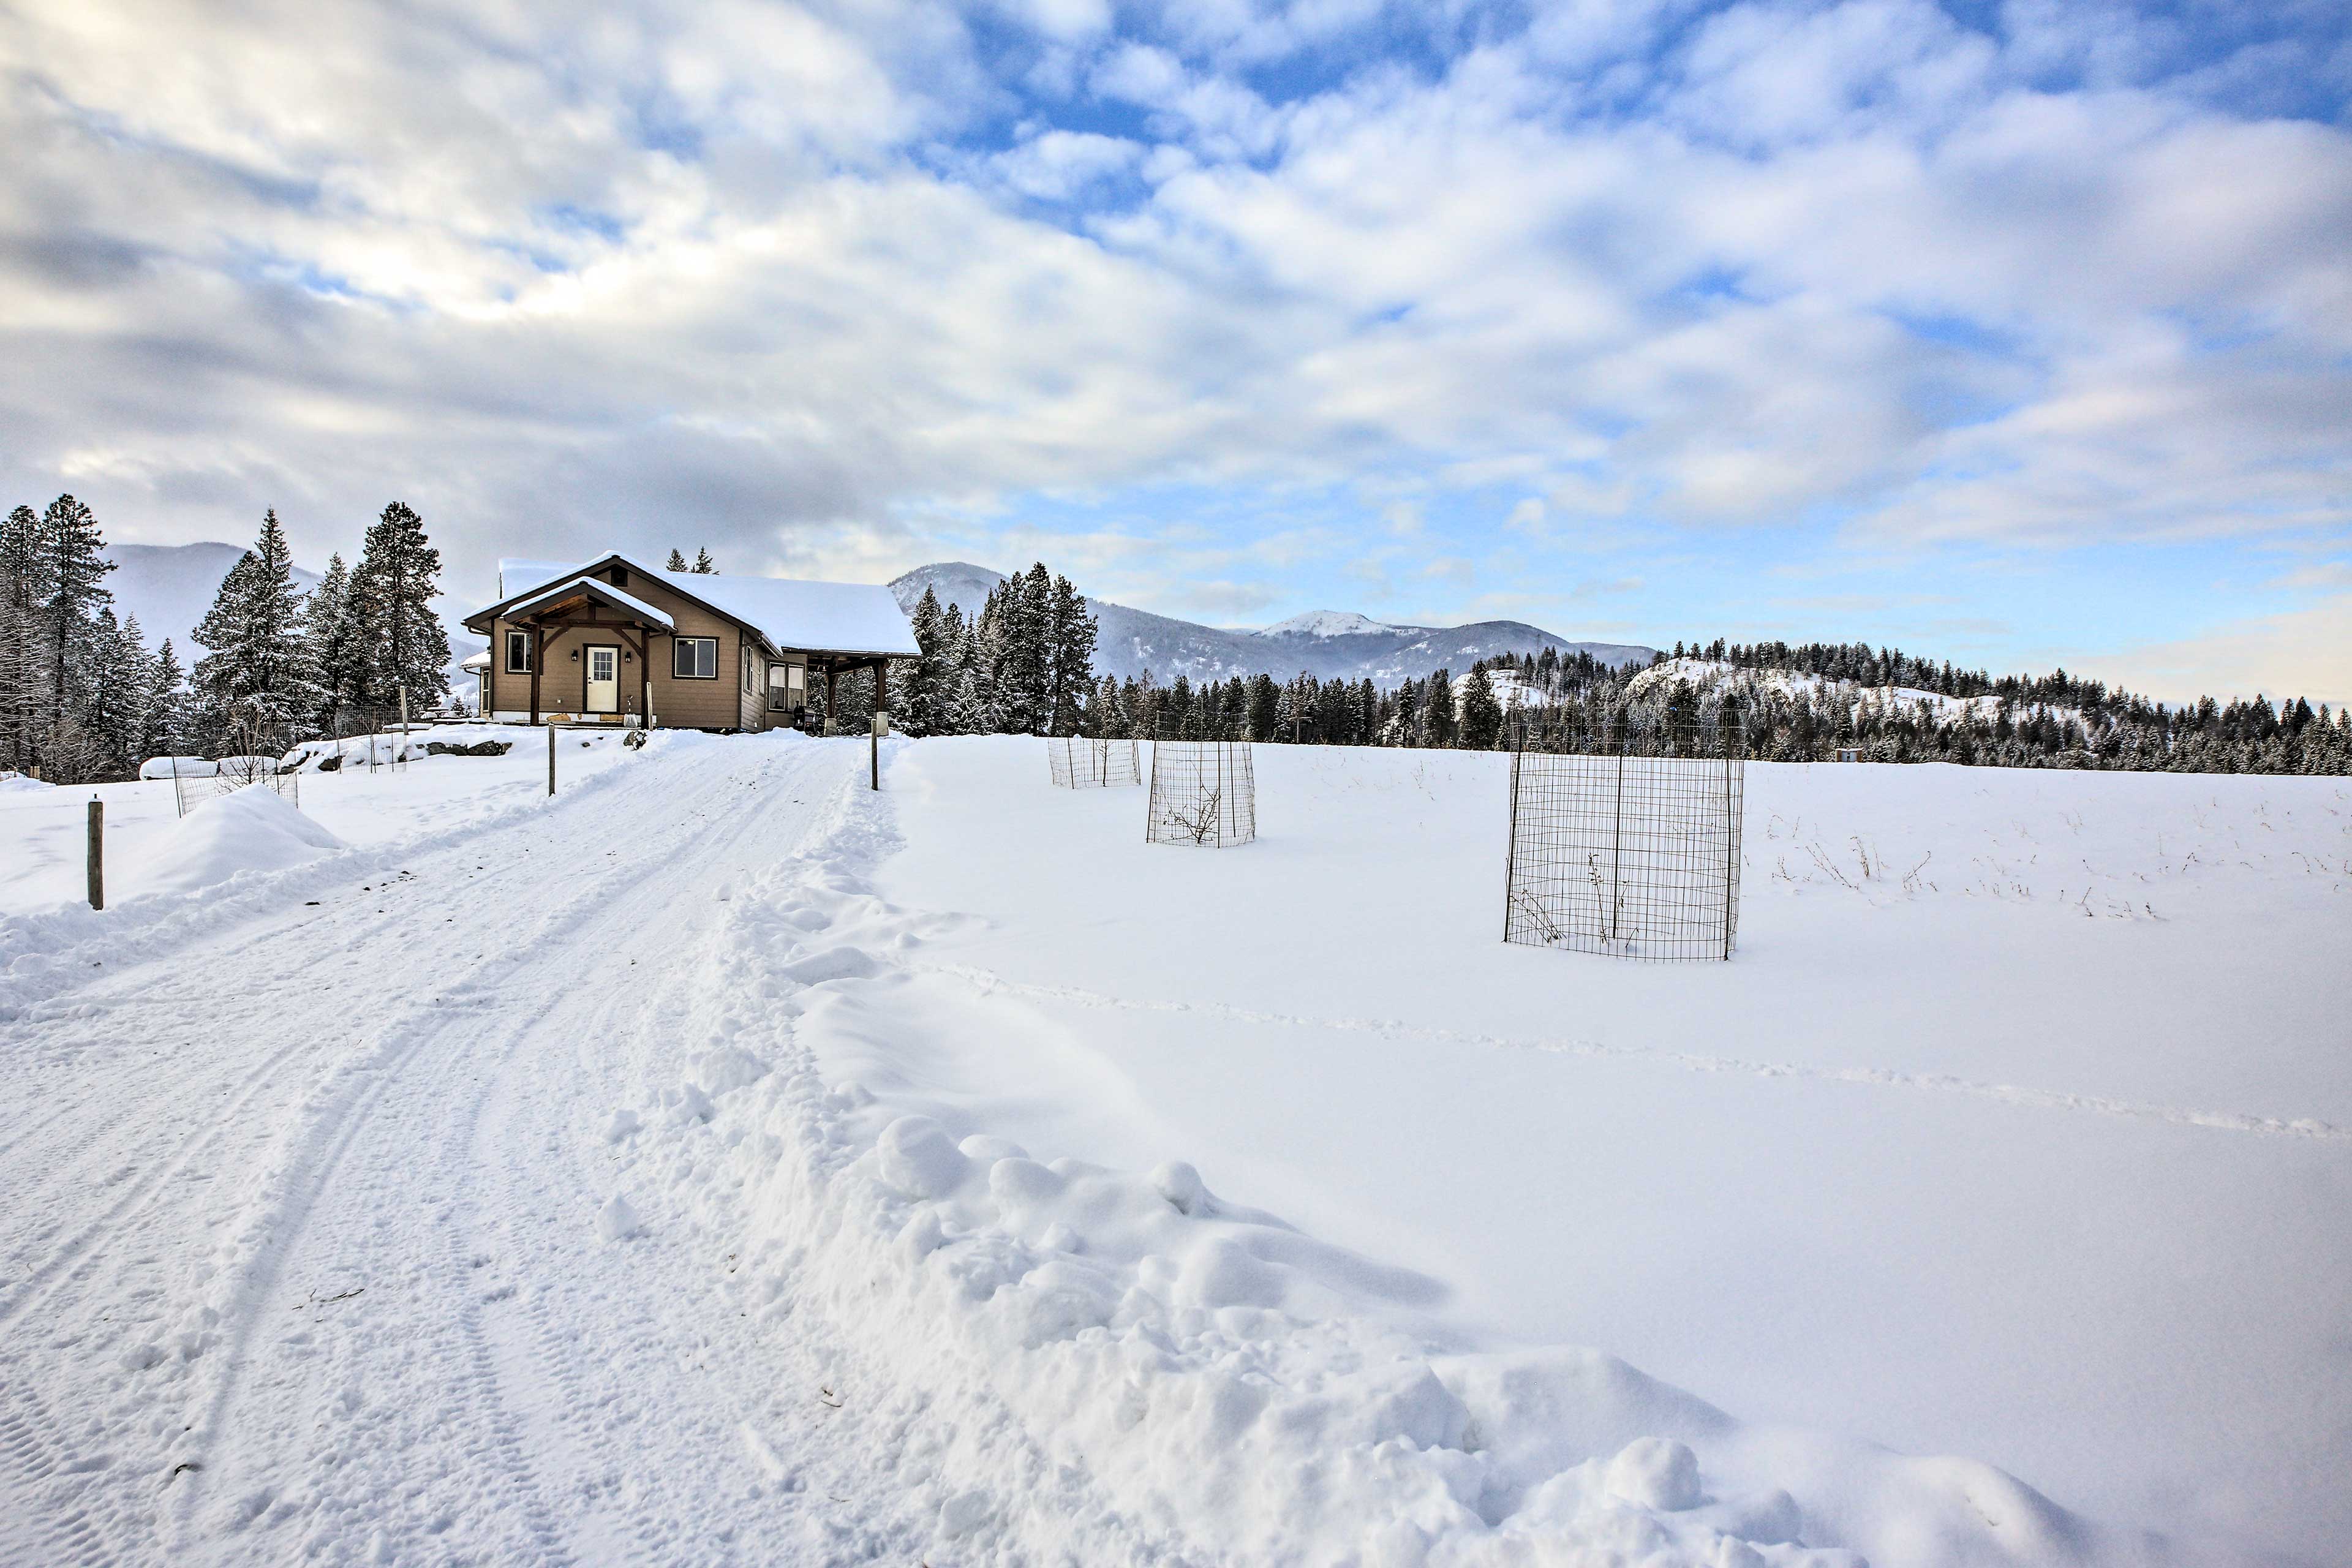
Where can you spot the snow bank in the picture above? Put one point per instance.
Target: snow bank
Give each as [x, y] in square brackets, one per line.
[17, 783]
[250, 829]
[1120, 1365]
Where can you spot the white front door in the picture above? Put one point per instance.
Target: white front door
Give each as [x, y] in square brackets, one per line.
[604, 681]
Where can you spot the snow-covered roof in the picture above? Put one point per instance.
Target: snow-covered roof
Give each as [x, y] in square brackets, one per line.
[600, 588]
[476, 661]
[791, 612]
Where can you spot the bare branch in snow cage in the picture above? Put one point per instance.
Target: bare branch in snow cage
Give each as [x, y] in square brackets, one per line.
[1626, 841]
[1203, 792]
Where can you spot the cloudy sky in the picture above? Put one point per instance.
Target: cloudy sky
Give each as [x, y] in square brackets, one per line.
[2019, 333]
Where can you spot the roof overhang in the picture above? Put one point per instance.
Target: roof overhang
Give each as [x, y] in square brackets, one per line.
[572, 593]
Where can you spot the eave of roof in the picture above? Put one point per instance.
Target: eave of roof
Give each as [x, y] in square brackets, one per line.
[594, 588]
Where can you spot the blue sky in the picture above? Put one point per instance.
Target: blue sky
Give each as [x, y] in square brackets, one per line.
[2017, 333]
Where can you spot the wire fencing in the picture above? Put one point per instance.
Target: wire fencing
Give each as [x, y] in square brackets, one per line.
[1626, 842]
[194, 783]
[1203, 792]
[1079, 763]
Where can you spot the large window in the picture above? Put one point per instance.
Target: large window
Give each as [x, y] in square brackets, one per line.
[787, 687]
[694, 658]
[518, 653]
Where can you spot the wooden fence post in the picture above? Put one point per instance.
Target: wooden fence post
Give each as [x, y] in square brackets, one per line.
[97, 853]
[551, 756]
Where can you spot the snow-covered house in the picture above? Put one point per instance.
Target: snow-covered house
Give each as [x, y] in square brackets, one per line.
[613, 639]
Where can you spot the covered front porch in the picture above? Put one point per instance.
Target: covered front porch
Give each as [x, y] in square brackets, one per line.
[607, 677]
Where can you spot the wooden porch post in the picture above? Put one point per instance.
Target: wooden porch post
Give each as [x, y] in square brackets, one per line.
[538, 663]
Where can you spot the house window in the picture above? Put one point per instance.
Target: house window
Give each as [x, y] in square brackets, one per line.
[784, 687]
[518, 653]
[694, 658]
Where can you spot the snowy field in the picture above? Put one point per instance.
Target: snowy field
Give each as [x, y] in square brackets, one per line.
[723, 1164]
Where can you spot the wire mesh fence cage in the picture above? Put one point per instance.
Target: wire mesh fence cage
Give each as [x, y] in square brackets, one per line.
[1079, 763]
[247, 758]
[1203, 792]
[1626, 841]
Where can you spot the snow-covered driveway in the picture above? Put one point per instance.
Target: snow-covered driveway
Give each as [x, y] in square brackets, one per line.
[302, 1199]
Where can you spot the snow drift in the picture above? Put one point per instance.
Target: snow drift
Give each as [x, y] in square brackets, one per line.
[250, 829]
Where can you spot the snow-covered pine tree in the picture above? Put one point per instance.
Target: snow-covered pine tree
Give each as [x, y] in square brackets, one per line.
[703, 566]
[165, 719]
[1015, 630]
[1437, 724]
[1070, 657]
[1106, 714]
[259, 674]
[677, 561]
[25, 715]
[1482, 715]
[337, 646]
[111, 700]
[984, 656]
[391, 590]
[919, 684]
[73, 569]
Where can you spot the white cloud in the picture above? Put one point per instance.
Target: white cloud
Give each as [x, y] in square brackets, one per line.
[775, 266]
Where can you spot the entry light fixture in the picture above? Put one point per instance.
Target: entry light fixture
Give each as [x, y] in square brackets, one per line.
[575, 655]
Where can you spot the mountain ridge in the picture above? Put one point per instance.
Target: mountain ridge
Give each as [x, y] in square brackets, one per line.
[1326, 644]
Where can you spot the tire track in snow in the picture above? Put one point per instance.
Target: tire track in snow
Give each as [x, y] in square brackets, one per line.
[175, 989]
[988, 981]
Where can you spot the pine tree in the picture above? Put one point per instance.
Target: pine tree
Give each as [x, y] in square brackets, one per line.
[703, 566]
[111, 706]
[920, 682]
[964, 709]
[164, 732]
[1070, 657]
[73, 565]
[337, 645]
[392, 592]
[1438, 710]
[25, 641]
[1482, 715]
[677, 561]
[260, 675]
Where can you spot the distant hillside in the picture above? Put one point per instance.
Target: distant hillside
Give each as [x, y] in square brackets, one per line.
[1326, 644]
[170, 586]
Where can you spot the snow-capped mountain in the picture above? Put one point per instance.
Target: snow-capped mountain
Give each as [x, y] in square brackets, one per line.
[1326, 644]
[1327, 624]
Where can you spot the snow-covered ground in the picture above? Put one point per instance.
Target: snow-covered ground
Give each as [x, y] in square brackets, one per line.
[720, 1162]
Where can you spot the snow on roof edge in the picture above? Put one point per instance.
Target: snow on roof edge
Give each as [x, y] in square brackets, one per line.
[791, 612]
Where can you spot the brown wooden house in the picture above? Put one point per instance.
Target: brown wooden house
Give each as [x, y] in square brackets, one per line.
[613, 641]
